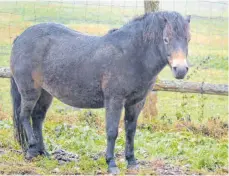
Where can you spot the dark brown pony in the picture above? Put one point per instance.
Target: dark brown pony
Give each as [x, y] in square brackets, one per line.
[111, 71]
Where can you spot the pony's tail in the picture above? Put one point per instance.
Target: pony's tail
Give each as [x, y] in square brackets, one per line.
[18, 128]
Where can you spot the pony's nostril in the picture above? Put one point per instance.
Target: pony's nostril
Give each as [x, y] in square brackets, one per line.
[186, 68]
[175, 68]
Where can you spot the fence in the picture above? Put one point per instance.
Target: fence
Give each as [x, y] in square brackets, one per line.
[208, 47]
[190, 87]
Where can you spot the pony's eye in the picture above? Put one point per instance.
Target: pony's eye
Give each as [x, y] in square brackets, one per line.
[166, 40]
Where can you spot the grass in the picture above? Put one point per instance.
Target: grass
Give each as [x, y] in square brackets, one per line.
[189, 129]
[202, 154]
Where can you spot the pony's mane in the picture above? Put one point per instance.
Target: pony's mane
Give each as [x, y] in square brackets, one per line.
[172, 17]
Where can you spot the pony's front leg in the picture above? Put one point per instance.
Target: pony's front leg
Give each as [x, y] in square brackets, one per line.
[131, 116]
[113, 112]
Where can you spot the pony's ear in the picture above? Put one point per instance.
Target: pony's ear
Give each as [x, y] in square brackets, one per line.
[188, 18]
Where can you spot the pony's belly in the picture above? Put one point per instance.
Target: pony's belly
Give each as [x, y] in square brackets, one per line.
[95, 102]
[80, 99]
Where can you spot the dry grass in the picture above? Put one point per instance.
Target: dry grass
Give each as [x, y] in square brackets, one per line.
[8, 33]
[212, 40]
[3, 115]
[5, 18]
[214, 127]
[94, 29]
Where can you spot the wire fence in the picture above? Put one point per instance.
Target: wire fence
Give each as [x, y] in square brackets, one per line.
[208, 47]
[209, 19]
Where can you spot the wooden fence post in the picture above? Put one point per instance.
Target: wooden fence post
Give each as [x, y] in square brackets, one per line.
[151, 5]
[150, 108]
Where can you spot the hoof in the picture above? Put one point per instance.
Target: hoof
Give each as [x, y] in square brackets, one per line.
[113, 170]
[30, 155]
[45, 153]
[33, 152]
[133, 169]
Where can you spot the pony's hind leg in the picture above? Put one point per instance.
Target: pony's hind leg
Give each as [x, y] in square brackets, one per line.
[38, 116]
[29, 98]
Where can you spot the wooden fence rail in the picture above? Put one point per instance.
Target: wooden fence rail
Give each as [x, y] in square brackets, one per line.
[173, 86]
[192, 87]
[5, 72]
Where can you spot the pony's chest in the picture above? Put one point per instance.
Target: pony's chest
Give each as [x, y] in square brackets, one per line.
[139, 92]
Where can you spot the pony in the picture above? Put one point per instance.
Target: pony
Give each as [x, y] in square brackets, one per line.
[114, 71]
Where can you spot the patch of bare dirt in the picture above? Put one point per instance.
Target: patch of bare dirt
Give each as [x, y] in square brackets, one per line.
[161, 167]
[154, 167]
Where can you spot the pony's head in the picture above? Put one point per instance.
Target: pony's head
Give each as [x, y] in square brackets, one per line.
[176, 36]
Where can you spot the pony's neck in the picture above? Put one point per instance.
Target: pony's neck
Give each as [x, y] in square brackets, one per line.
[143, 39]
[147, 33]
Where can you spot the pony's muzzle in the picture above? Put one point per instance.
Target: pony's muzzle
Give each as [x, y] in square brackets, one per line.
[180, 71]
[178, 64]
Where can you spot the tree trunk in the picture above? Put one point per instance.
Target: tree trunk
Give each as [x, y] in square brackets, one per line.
[150, 108]
[151, 6]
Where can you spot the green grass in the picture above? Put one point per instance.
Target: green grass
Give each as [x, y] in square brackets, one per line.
[203, 154]
[190, 129]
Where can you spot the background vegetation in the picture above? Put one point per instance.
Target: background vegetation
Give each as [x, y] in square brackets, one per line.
[190, 130]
